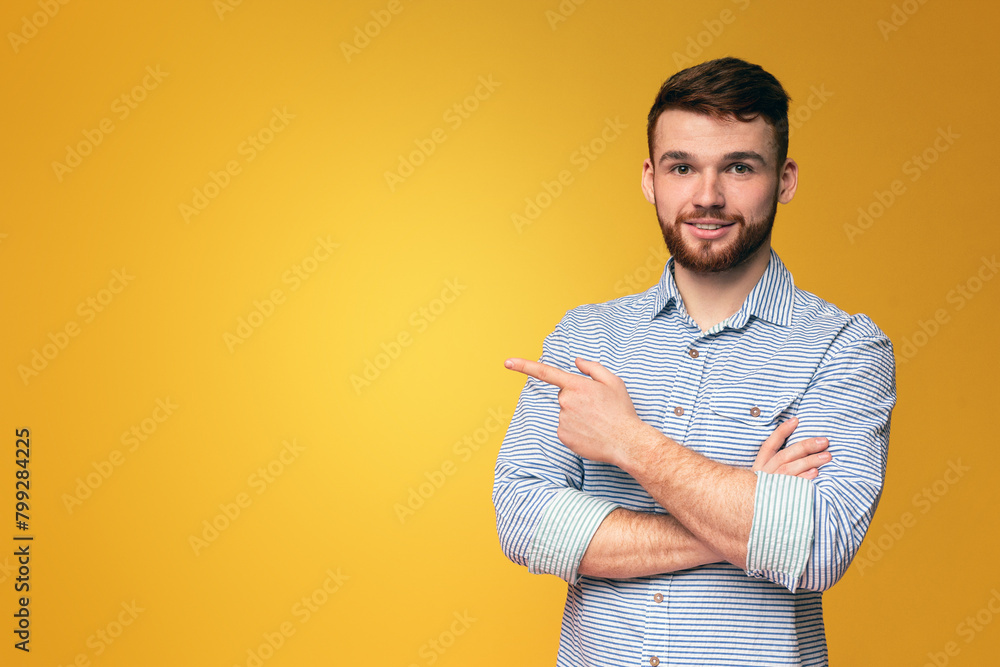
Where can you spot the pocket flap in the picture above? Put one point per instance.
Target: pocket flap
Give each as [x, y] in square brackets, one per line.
[753, 403]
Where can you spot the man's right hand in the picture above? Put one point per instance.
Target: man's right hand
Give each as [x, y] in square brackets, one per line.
[802, 459]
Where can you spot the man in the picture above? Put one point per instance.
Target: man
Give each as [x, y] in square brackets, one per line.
[644, 462]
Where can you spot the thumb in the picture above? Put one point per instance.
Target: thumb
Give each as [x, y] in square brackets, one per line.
[596, 371]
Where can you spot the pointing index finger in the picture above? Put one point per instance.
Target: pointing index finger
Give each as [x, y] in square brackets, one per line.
[540, 371]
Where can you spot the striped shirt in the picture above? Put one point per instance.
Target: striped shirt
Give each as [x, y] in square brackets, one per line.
[720, 392]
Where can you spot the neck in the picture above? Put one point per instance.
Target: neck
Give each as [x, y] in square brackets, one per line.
[712, 297]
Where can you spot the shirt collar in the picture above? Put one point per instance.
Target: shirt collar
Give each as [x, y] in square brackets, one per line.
[771, 299]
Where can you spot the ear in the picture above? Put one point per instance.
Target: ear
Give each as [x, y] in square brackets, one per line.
[647, 181]
[788, 181]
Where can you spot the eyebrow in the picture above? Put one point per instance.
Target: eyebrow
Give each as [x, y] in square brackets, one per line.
[728, 157]
[675, 155]
[745, 155]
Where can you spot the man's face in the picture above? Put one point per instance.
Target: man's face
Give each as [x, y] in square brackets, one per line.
[716, 188]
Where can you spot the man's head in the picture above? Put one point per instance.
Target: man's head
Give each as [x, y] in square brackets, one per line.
[718, 166]
[727, 88]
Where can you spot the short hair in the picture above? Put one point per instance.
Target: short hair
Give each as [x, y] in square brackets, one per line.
[726, 88]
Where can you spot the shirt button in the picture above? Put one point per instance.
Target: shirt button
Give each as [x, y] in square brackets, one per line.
[658, 598]
[693, 352]
[755, 411]
[654, 661]
[678, 411]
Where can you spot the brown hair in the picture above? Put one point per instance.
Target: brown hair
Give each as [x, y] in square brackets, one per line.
[726, 88]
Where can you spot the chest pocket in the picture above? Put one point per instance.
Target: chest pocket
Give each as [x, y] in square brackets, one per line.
[753, 403]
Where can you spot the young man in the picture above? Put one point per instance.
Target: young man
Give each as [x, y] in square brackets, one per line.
[645, 463]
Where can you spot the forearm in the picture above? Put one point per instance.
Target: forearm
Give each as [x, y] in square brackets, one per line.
[713, 501]
[639, 544]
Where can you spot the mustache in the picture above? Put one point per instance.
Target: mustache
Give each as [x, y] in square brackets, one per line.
[713, 214]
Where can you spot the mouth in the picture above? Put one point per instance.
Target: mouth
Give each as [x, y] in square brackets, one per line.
[709, 229]
[708, 223]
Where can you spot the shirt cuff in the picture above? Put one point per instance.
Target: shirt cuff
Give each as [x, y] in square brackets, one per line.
[564, 532]
[781, 536]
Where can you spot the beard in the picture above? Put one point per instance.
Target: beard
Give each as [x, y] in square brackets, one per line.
[709, 256]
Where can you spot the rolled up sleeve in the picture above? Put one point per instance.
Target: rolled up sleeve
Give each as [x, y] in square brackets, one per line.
[806, 532]
[564, 532]
[544, 520]
[781, 536]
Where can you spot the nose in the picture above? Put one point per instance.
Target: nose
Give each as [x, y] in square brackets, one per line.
[708, 193]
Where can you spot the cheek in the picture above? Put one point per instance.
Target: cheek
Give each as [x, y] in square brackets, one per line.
[665, 208]
[670, 197]
[752, 200]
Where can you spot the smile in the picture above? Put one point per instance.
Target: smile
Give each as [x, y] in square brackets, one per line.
[714, 224]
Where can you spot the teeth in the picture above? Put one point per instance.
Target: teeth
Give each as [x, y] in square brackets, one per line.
[700, 226]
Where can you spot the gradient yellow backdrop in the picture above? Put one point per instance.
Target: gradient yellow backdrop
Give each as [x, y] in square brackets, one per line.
[260, 264]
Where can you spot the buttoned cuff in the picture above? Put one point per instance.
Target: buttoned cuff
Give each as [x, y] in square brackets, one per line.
[564, 532]
[781, 536]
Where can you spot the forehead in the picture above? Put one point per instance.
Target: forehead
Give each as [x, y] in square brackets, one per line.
[708, 137]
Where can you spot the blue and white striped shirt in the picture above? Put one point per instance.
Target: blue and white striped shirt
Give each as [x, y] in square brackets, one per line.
[720, 392]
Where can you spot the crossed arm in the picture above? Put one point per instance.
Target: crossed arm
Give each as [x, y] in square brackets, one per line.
[710, 504]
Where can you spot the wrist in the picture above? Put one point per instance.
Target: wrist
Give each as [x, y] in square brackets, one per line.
[642, 447]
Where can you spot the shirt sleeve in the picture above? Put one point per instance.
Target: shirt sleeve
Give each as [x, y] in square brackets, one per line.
[806, 532]
[782, 531]
[544, 520]
[564, 533]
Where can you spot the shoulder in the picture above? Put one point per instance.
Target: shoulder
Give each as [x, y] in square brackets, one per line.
[594, 328]
[813, 316]
[610, 315]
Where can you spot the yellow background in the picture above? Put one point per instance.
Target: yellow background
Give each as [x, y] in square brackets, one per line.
[869, 95]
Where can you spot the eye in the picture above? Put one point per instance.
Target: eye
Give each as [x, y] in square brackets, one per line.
[741, 168]
[682, 169]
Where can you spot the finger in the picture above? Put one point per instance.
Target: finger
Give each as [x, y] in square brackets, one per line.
[806, 447]
[774, 442]
[799, 450]
[799, 466]
[595, 370]
[540, 371]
